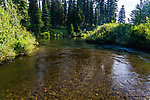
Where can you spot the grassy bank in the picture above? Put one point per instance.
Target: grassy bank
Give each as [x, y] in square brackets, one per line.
[122, 34]
[14, 40]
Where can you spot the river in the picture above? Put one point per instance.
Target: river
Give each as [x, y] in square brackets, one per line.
[73, 69]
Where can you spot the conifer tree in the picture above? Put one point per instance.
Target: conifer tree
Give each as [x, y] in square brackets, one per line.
[139, 14]
[91, 19]
[22, 9]
[80, 11]
[65, 11]
[45, 17]
[80, 4]
[70, 12]
[111, 9]
[77, 18]
[102, 11]
[35, 17]
[122, 16]
[57, 13]
[60, 13]
[87, 12]
[95, 17]
[53, 14]
[49, 5]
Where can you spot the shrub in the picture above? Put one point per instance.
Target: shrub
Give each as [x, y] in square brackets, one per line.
[105, 32]
[141, 34]
[138, 35]
[45, 35]
[14, 40]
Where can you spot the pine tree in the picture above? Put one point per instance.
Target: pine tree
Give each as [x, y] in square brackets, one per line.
[80, 4]
[91, 19]
[25, 21]
[111, 9]
[139, 14]
[105, 13]
[57, 13]
[87, 12]
[60, 13]
[70, 12]
[65, 11]
[77, 18]
[22, 6]
[102, 11]
[53, 14]
[98, 9]
[45, 17]
[49, 5]
[95, 17]
[80, 12]
[122, 17]
[35, 17]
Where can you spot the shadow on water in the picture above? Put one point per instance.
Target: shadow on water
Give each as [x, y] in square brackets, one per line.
[73, 69]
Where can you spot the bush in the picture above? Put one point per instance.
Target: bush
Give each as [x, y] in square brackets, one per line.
[138, 35]
[14, 40]
[45, 35]
[110, 33]
[57, 32]
[141, 34]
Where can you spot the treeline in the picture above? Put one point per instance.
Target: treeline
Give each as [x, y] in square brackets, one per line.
[135, 34]
[73, 15]
[140, 13]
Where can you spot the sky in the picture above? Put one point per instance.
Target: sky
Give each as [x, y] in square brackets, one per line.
[129, 6]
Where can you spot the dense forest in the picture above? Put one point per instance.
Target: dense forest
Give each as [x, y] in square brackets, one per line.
[72, 15]
[22, 21]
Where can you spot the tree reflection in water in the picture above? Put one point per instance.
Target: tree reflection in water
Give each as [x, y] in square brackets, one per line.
[73, 69]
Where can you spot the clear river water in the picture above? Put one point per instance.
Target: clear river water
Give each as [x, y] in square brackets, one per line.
[73, 69]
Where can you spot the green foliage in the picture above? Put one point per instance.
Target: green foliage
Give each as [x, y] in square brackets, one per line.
[111, 8]
[138, 35]
[45, 17]
[121, 17]
[96, 17]
[103, 32]
[141, 34]
[14, 40]
[35, 17]
[140, 13]
[91, 20]
[102, 12]
[57, 13]
[71, 30]
[110, 33]
[22, 9]
[59, 32]
[45, 35]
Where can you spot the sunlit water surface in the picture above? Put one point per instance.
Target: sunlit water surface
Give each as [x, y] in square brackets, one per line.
[73, 69]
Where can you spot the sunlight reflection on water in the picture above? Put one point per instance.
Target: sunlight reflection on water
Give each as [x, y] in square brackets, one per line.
[74, 69]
